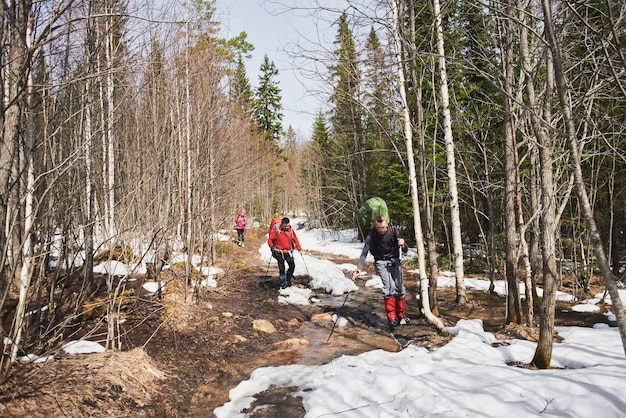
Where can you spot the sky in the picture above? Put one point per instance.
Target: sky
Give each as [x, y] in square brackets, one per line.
[279, 34]
[468, 377]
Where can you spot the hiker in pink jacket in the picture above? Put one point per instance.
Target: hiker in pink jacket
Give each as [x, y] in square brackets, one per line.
[240, 226]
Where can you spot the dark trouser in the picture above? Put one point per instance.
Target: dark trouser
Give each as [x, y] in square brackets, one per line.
[283, 258]
[240, 233]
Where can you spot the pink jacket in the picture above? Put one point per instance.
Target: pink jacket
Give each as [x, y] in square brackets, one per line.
[240, 220]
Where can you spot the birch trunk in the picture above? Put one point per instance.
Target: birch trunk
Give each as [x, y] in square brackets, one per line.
[89, 241]
[27, 246]
[461, 292]
[408, 134]
[113, 341]
[88, 149]
[189, 187]
[427, 222]
[13, 76]
[110, 154]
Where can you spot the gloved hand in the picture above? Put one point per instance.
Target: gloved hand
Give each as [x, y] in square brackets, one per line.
[274, 249]
[299, 248]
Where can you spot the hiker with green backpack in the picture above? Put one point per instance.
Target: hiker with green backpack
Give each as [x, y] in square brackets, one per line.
[282, 240]
[384, 242]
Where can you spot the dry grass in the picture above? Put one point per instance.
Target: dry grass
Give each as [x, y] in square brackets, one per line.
[118, 382]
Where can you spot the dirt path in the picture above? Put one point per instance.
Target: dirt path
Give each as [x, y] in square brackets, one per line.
[181, 357]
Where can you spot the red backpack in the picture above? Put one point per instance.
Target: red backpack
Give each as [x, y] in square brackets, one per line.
[274, 223]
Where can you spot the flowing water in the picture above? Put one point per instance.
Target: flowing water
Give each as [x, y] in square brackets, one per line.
[361, 327]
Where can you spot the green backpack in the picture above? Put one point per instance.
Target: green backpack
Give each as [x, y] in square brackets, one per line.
[368, 212]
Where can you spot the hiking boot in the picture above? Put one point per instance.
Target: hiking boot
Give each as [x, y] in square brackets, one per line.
[393, 323]
[404, 321]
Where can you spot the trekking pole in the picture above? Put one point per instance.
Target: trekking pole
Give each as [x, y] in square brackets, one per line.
[337, 318]
[268, 266]
[304, 262]
[308, 274]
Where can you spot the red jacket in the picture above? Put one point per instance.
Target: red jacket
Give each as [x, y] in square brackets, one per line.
[283, 240]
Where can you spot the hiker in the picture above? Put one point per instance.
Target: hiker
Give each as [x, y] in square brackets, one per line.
[384, 242]
[240, 226]
[282, 240]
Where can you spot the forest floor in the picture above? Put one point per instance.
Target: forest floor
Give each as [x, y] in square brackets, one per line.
[181, 356]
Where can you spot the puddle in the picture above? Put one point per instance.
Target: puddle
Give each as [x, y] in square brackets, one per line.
[350, 340]
[366, 330]
[319, 343]
[315, 346]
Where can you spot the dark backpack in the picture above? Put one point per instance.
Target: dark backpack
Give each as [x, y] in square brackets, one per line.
[377, 237]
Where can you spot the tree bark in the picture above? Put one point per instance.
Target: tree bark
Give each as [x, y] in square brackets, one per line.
[570, 130]
[427, 222]
[27, 247]
[408, 135]
[514, 310]
[461, 292]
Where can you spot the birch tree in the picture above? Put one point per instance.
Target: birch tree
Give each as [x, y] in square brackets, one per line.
[15, 66]
[408, 134]
[428, 219]
[461, 292]
[27, 246]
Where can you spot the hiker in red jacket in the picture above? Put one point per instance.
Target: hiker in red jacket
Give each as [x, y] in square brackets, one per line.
[282, 240]
[384, 242]
[240, 226]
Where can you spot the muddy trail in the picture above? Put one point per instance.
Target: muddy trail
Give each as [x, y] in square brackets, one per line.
[181, 355]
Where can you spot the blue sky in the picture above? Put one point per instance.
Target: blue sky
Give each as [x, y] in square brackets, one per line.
[274, 31]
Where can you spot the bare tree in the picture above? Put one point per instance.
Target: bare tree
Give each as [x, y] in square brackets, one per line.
[514, 311]
[408, 135]
[543, 354]
[27, 246]
[428, 220]
[461, 292]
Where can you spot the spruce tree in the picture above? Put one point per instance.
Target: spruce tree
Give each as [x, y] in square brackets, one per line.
[241, 91]
[267, 104]
[386, 174]
[348, 141]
